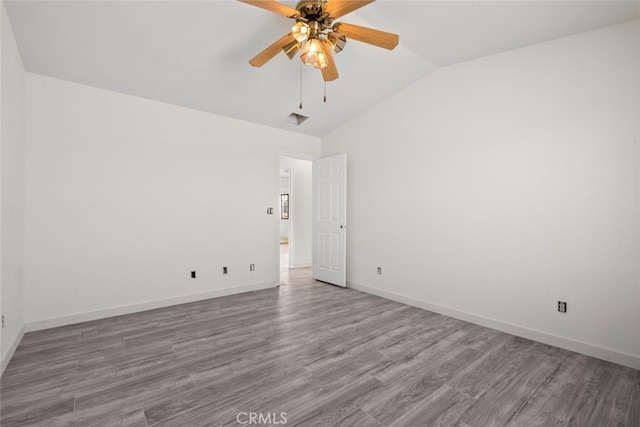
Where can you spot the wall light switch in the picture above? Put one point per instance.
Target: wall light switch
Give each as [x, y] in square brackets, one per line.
[562, 306]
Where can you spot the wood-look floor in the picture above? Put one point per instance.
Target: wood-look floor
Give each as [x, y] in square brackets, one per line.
[320, 354]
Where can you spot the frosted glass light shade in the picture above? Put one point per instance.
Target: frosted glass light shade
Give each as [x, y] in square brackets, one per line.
[300, 31]
[313, 55]
[337, 41]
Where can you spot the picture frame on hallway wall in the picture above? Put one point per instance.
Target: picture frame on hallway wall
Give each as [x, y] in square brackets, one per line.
[284, 206]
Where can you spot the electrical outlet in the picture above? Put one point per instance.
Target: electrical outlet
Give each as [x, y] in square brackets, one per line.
[193, 274]
[3, 321]
[252, 267]
[562, 306]
[225, 270]
[379, 270]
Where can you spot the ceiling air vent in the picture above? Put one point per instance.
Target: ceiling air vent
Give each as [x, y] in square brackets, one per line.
[295, 119]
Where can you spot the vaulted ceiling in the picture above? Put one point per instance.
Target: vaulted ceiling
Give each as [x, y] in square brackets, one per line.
[194, 53]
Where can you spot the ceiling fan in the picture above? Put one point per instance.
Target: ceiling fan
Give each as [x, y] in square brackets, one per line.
[317, 35]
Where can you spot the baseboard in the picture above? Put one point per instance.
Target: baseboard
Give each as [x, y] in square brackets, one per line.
[6, 357]
[598, 352]
[302, 265]
[36, 325]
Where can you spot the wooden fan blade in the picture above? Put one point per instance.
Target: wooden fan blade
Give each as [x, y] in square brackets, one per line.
[272, 6]
[368, 35]
[330, 72]
[338, 8]
[263, 57]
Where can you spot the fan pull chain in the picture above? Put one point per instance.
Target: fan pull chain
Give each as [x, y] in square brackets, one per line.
[325, 91]
[300, 106]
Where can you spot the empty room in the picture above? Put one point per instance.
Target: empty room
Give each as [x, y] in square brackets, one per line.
[320, 213]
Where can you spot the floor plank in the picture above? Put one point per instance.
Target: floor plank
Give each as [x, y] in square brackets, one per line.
[317, 354]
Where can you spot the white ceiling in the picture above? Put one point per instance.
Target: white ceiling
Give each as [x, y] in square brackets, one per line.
[195, 53]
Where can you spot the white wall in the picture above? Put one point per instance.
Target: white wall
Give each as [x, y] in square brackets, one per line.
[300, 210]
[12, 153]
[491, 189]
[125, 196]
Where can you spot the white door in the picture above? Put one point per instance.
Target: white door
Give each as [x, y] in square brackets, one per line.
[329, 221]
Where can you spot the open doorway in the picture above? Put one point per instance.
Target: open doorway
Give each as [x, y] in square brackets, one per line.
[294, 230]
[285, 224]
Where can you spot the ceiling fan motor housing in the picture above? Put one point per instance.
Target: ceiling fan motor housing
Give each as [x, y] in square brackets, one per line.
[314, 11]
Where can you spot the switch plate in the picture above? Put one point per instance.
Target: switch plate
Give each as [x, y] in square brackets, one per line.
[562, 306]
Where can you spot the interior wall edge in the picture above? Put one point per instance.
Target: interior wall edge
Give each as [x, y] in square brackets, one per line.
[6, 357]
[12, 142]
[629, 360]
[37, 325]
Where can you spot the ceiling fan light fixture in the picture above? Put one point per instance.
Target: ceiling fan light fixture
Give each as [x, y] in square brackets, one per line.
[300, 31]
[316, 33]
[312, 54]
[291, 49]
[337, 41]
